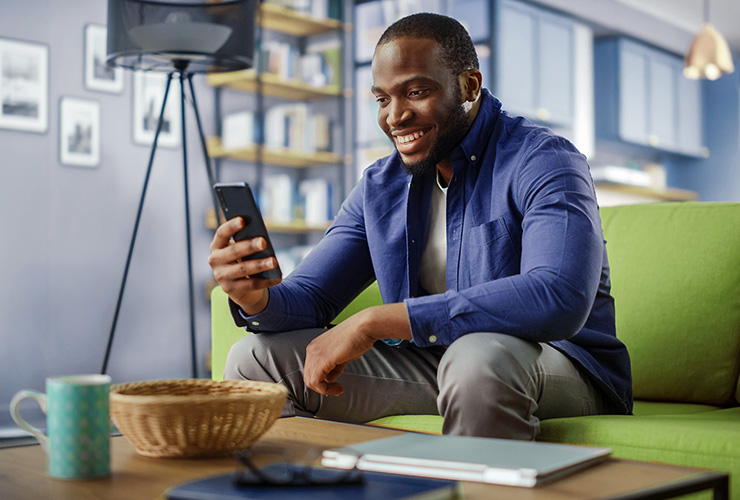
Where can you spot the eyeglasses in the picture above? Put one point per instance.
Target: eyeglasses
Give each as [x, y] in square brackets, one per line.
[282, 470]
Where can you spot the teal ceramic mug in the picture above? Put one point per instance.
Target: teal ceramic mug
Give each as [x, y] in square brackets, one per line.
[77, 442]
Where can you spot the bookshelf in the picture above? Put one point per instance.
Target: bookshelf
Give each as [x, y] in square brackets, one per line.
[281, 125]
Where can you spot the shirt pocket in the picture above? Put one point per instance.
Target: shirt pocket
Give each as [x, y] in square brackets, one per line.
[491, 254]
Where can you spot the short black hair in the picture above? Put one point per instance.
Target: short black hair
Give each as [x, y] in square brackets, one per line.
[458, 51]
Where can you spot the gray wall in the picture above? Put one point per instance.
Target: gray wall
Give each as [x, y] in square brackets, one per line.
[64, 231]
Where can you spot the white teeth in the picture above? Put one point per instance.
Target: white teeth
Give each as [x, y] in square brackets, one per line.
[410, 137]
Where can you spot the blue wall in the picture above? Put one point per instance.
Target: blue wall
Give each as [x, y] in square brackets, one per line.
[716, 178]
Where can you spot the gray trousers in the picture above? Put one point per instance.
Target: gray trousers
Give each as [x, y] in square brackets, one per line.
[484, 384]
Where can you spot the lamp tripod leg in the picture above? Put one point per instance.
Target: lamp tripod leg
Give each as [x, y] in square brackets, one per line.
[160, 122]
[204, 147]
[191, 288]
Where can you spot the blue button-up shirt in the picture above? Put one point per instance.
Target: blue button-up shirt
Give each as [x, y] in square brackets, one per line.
[525, 250]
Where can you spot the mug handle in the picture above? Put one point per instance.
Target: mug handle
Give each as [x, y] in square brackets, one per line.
[15, 413]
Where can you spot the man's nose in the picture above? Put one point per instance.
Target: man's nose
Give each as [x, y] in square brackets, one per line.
[398, 114]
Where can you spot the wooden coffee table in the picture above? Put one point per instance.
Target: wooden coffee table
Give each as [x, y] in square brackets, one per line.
[23, 473]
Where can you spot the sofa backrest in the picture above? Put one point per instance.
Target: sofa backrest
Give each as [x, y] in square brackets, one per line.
[675, 270]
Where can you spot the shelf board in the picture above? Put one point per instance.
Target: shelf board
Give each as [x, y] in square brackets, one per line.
[292, 227]
[292, 22]
[295, 227]
[668, 194]
[282, 157]
[272, 85]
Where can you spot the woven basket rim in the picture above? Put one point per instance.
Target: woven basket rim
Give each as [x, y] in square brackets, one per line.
[266, 390]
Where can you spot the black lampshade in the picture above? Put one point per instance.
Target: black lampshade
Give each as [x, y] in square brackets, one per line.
[162, 35]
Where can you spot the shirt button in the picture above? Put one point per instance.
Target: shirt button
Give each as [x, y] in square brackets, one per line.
[432, 339]
[473, 158]
[255, 323]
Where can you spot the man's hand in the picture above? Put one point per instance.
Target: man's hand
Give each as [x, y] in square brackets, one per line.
[328, 354]
[232, 270]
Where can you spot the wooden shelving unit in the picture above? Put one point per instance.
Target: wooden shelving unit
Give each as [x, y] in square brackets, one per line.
[282, 157]
[272, 85]
[293, 227]
[279, 18]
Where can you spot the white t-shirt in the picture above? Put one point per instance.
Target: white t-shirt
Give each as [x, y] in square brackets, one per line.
[433, 270]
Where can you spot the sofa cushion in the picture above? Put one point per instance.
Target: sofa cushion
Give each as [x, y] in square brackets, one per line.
[707, 439]
[432, 424]
[676, 285]
[224, 333]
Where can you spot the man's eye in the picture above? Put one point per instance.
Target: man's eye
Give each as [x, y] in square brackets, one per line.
[381, 100]
[416, 93]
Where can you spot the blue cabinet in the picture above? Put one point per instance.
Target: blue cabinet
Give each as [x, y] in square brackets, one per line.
[643, 98]
[535, 54]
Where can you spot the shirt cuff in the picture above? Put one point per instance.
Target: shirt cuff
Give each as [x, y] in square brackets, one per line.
[429, 320]
[266, 320]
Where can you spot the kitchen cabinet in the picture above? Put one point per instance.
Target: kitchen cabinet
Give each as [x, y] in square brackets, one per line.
[535, 62]
[643, 98]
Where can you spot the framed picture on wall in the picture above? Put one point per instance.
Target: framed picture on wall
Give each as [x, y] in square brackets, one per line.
[79, 132]
[98, 75]
[24, 85]
[148, 93]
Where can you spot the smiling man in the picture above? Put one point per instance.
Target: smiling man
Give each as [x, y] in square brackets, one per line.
[483, 233]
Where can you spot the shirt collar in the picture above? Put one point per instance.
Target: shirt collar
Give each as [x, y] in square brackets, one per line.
[471, 149]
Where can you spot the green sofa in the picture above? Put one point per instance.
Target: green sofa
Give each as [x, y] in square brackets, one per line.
[676, 282]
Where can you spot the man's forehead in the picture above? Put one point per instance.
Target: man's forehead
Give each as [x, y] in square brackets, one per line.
[406, 43]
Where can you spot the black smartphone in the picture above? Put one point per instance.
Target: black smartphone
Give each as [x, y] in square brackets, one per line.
[236, 200]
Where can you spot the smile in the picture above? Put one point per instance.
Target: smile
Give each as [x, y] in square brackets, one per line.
[405, 139]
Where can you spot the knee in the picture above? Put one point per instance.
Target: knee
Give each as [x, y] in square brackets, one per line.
[485, 360]
[248, 359]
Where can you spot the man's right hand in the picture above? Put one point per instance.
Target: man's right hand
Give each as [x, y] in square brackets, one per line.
[232, 269]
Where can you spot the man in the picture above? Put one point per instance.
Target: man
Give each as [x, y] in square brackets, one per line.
[483, 233]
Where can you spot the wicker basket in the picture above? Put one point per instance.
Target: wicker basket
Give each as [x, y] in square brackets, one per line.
[194, 417]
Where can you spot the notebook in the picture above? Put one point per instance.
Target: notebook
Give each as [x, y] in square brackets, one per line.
[462, 458]
[373, 487]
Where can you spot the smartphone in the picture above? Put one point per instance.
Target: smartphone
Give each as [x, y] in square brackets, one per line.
[236, 200]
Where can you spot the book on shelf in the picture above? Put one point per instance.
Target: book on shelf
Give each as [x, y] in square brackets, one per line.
[324, 64]
[238, 131]
[315, 199]
[292, 126]
[320, 66]
[276, 198]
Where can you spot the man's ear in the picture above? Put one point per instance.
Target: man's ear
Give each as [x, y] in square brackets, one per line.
[471, 82]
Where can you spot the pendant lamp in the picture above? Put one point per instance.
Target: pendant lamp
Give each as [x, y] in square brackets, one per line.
[709, 55]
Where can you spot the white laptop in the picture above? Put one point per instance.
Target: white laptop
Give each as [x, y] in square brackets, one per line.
[461, 458]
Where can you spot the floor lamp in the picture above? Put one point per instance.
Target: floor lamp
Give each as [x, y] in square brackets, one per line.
[180, 39]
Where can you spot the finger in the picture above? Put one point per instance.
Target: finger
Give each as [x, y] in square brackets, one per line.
[225, 232]
[236, 251]
[244, 269]
[333, 389]
[333, 375]
[245, 248]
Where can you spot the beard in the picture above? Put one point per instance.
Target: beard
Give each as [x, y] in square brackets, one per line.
[458, 126]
